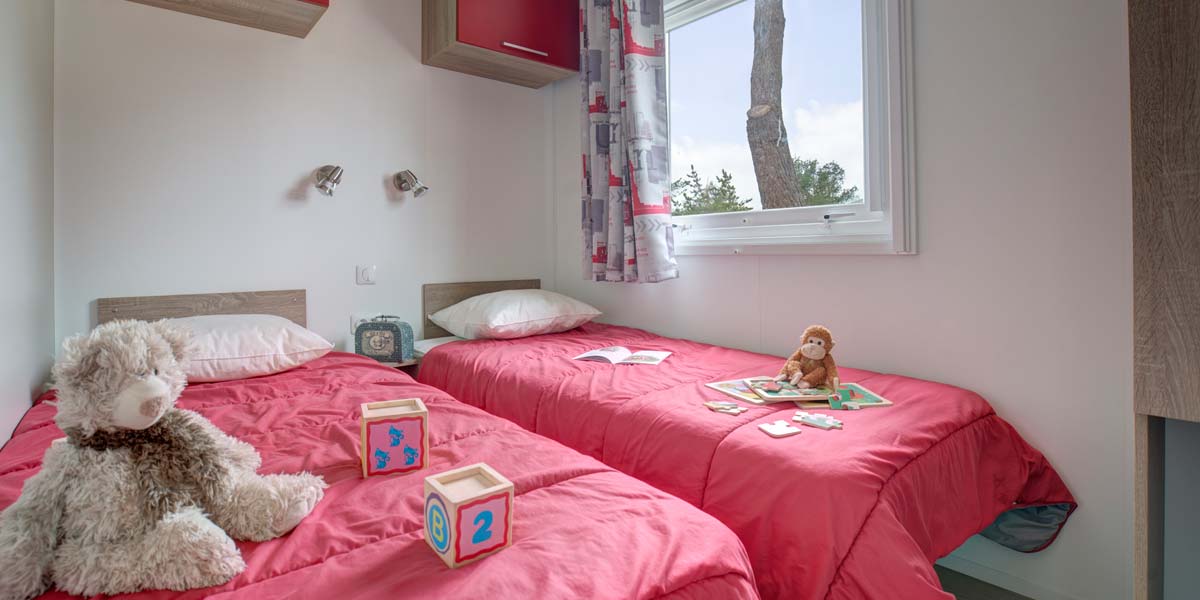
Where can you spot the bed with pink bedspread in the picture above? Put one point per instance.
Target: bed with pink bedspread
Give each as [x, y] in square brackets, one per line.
[581, 529]
[858, 513]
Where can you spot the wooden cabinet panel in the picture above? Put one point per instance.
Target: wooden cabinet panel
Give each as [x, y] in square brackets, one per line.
[289, 17]
[1164, 39]
[526, 42]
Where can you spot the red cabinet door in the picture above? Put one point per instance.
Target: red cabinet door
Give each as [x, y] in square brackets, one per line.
[541, 30]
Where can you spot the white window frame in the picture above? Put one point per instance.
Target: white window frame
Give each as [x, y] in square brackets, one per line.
[886, 222]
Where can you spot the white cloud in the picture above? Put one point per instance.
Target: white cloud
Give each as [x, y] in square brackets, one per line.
[830, 132]
[826, 132]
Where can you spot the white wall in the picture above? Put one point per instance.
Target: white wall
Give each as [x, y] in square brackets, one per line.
[26, 199]
[184, 148]
[1023, 287]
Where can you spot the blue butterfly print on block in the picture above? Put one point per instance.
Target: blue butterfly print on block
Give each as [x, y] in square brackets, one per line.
[381, 458]
[410, 454]
[396, 435]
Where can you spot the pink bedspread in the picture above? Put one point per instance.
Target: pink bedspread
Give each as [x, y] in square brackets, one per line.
[857, 513]
[582, 530]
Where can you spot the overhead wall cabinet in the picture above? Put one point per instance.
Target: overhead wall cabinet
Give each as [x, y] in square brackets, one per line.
[526, 42]
[289, 17]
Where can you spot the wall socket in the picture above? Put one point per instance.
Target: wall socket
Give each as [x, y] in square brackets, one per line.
[364, 274]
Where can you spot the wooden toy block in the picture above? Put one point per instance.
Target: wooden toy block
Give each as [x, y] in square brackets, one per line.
[816, 420]
[395, 436]
[778, 429]
[468, 513]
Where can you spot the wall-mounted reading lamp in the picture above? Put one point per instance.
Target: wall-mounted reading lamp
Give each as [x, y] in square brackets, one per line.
[328, 178]
[406, 181]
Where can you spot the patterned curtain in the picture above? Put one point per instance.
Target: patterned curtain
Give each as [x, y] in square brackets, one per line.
[627, 234]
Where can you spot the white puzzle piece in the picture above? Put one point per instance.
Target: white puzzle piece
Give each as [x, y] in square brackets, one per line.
[817, 420]
[779, 429]
[729, 408]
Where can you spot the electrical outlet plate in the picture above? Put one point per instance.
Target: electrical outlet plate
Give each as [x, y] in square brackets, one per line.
[364, 274]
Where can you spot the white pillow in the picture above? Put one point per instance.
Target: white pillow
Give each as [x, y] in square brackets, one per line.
[513, 314]
[228, 347]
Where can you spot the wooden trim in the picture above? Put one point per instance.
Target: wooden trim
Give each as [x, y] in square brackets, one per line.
[289, 17]
[1164, 70]
[1149, 441]
[440, 48]
[289, 304]
[436, 296]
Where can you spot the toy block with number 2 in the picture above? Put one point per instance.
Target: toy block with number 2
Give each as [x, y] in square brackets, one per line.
[395, 436]
[468, 513]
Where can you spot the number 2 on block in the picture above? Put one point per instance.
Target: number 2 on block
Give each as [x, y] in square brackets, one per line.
[484, 533]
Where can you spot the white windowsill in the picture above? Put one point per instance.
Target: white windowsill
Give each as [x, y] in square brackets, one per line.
[848, 245]
[871, 233]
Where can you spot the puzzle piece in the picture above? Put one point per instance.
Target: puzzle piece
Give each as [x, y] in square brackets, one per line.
[731, 411]
[719, 404]
[779, 429]
[729, 408]
[725, 407]
[817, 420]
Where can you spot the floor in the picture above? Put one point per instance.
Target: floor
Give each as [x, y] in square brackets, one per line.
[968, 588]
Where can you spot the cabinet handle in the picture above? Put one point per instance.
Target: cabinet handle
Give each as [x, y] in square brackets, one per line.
[524, 49]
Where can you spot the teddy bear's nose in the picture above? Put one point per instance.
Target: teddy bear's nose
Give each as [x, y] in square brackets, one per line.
[151, 407]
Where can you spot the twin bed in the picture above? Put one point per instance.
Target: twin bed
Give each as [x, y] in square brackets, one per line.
[621, 513]
[857, 513]
[581, 529]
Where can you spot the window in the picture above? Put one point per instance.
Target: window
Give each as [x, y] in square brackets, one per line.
[821, 164]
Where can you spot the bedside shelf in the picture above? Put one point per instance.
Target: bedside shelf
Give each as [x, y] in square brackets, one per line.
[409, 366]
[398, 365]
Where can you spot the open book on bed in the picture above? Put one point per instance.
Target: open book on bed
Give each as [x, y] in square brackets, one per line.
[620, 355]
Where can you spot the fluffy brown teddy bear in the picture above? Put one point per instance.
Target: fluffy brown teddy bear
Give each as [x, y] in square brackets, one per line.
[811, 365]
[140, 494]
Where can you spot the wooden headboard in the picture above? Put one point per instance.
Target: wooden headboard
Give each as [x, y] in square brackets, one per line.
[289, 304]
[436, 296]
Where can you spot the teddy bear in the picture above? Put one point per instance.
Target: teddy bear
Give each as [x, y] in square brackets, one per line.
[140, 494]
[811, 365]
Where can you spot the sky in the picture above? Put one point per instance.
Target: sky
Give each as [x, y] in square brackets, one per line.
[709, 73]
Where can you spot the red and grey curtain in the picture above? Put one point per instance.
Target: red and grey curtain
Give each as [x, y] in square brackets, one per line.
[627, 234]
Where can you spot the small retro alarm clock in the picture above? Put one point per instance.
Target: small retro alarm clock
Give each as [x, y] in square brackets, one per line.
[384, 338]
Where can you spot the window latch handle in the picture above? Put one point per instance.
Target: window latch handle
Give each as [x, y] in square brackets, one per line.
[831, 217]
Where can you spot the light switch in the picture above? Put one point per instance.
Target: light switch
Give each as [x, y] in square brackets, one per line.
[364, 274]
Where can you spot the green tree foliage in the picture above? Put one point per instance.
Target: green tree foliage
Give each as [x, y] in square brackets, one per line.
[822, 184]
[694, 197]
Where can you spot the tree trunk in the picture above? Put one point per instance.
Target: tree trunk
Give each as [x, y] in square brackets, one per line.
[765, 131]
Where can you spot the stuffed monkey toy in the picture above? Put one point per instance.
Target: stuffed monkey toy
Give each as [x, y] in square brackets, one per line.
[811, 365]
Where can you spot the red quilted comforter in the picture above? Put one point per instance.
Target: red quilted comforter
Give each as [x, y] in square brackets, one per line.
[857, 513]
[581, 529]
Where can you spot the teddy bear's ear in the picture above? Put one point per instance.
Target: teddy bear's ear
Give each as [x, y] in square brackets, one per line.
[179, 338]
[79, 360]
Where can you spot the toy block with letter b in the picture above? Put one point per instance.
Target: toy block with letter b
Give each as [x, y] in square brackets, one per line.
[395, 436]
[468, 513]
